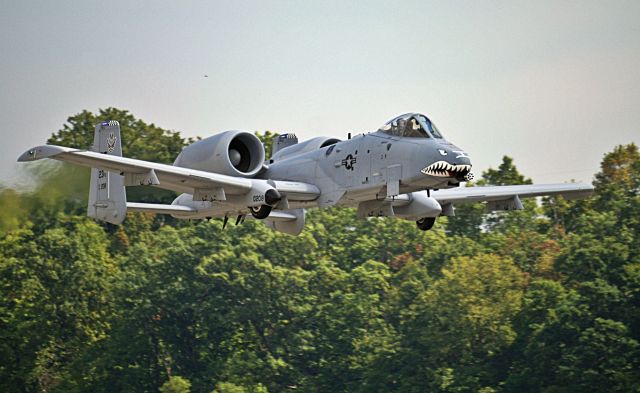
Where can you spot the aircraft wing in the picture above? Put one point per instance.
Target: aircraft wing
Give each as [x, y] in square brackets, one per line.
[496, 194]
[167, 176]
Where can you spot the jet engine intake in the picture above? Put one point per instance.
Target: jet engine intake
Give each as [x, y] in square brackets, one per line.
[233, 153]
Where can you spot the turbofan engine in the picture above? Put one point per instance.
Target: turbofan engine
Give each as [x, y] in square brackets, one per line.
[233, 153]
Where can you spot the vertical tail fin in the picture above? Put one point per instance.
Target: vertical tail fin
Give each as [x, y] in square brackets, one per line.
[281, 141]
[107, 197]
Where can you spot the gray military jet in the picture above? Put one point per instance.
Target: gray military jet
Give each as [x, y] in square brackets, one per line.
[406, 169]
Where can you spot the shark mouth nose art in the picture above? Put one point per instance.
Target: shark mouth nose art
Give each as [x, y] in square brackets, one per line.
[444, 169]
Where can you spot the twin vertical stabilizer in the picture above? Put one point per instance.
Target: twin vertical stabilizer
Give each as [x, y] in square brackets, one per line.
[107, 196]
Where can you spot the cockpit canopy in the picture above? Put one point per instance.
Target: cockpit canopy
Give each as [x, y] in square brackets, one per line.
[411, 125]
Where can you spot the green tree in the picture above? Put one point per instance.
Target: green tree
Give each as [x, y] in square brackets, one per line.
[56, 301]
[176, 384]
[458, 325]
[228, 387]
[512, 221]
[506, 174]
[139, 139]
[563, 347]
[470, 219]
[267, 141]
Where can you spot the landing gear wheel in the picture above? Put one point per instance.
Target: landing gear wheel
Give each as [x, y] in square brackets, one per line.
[261, 212]
[424, 224]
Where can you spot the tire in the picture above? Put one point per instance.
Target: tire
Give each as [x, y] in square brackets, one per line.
[426, 223]
[261, 212]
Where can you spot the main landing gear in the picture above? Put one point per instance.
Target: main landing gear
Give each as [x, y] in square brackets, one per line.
[261, 212]
[426, 223]
[271, 197]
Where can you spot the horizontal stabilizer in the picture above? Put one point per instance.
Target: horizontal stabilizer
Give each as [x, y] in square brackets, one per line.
[177, 210]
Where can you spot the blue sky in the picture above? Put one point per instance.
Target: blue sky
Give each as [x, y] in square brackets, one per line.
[554, 84]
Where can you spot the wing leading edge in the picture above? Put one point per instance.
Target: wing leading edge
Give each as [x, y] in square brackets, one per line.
[179, 179]
[502, 193]
[168, 176]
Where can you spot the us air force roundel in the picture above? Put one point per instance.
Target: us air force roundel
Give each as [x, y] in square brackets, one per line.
[349, 162]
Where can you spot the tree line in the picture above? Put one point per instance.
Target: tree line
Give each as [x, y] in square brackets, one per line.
[546, 299]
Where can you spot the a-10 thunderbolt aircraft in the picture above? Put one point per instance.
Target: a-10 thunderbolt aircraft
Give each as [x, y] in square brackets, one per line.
[406, 169]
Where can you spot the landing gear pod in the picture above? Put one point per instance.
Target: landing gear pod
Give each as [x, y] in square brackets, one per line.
[420, 205]
[262, 199]
[292, 225]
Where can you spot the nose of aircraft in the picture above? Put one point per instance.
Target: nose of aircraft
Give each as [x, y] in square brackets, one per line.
[453, 162]
[460, 157]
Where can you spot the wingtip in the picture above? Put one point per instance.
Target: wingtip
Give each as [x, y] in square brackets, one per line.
[39, 152]
[29, 155]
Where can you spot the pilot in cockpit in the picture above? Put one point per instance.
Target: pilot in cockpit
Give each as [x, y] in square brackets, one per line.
[411, 126]
[402, 126]
[414, 129]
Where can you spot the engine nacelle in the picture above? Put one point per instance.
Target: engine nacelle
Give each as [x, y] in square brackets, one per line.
[419, 206]
[233, 153]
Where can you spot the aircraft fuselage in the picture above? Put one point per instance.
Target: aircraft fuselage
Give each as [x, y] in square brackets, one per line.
[369, 166]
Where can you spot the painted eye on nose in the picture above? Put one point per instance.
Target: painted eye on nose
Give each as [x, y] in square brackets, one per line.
[442, 152]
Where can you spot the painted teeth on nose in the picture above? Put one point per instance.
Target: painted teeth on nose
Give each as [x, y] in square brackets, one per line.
[444, 169]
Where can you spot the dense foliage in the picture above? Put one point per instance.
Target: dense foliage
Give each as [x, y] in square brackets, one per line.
[542, 300]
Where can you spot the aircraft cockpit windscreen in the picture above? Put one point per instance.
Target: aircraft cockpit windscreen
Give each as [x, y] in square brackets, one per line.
[405, 126]
[411, 126]
[430, 126]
